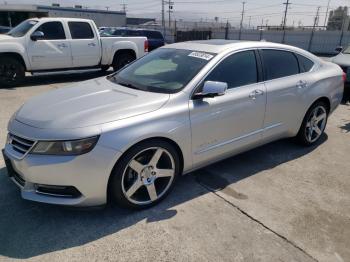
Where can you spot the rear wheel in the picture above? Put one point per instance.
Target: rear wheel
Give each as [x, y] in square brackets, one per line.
[145, 174]
[314, 124]
[122, 59]
[12, 72]
[104, 68]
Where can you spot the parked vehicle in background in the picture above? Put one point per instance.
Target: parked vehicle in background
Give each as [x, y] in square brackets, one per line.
[177, 109]
[51, 44]
[343, 60]
[4, 29]
[155, 38]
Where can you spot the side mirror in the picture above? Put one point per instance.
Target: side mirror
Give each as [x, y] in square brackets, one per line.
[211, 89]
[37, 35]
[339, 49]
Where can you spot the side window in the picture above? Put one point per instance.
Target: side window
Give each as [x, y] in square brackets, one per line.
[236, 70]
[52, 31]
[279, 63]
[305, 63]
[80, 30]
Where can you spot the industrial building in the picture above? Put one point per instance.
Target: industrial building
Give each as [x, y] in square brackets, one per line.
[11, 15]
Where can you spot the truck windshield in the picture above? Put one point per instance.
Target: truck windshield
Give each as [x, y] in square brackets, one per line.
[22, 28]
[164, 70]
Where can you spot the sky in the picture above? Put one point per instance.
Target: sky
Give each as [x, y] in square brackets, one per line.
[256, 11]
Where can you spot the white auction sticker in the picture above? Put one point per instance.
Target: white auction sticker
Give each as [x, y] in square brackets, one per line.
[201, 55]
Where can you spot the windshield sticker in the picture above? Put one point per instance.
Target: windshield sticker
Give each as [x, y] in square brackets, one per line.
[201, 55]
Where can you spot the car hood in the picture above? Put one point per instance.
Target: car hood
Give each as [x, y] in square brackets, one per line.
[342, 59]
[5, 37]
[88, 103]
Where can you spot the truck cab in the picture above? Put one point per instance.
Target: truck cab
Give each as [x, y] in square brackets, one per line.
[51, 44]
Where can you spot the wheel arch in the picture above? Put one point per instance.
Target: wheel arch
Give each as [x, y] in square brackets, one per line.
[16, 56]
[124, 51]
[324, 99]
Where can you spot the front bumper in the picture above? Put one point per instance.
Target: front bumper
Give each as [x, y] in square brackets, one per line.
[88, 173]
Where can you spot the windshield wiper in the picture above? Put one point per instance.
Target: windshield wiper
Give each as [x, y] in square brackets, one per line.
[128, 85]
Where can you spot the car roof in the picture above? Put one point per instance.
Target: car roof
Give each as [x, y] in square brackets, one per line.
[65, 19]
[221, 45]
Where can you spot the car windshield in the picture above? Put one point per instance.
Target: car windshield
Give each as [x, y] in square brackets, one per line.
[164, 70]
[21, 29]
[347, 50]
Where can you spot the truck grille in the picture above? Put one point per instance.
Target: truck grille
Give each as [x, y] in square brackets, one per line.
[19, 144]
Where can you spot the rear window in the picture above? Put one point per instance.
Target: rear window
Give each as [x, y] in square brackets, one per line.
[80, 30]
[278, 63]
[305, 63]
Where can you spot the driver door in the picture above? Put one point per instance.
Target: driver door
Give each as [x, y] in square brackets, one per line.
[232, 122]
[53, 51]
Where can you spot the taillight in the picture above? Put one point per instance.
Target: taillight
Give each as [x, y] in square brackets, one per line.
[146, 46]
[344, 77]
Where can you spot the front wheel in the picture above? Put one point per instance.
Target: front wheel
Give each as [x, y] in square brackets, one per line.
[314, 124]
[145, 174]
[12, 72]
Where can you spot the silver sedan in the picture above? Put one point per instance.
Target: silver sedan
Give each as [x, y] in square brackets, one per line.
[184, 106]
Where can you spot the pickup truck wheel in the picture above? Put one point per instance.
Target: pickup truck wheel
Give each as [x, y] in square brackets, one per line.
[122, 60]
[12, 72]
[104, 68]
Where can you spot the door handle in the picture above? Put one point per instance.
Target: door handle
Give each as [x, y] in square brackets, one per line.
[62, 45]
[301, 84]
[256, 93]
[91, 44]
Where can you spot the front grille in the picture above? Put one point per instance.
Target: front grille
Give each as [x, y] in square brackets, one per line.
[20, 144]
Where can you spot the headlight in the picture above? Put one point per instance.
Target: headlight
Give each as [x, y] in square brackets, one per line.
[66, 148]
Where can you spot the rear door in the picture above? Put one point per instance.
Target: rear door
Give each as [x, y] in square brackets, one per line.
[51, 52]
[287, 82]
[86, 50]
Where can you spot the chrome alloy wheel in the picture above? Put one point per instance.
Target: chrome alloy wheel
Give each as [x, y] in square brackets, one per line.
[148, 176]
[316, 124]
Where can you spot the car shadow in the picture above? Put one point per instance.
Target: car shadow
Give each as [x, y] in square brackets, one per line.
[60, 77]
[29, 229]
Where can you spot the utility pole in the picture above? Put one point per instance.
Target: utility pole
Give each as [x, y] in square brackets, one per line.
[124, 7]
[313, 27]
[170, 9]
[241, 24]
[250, 18]
[285, 14]
[163, 16]
[285, 20]
[325, 19]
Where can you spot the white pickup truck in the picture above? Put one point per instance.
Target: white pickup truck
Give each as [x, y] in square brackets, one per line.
[52, 44]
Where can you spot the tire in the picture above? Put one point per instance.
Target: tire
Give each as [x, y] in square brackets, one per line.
[121, 60]
[314, 123]
[104, 68]
[139, 180]
[12, 72]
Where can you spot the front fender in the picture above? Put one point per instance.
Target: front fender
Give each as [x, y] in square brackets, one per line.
[15, 48]
[123, 134]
